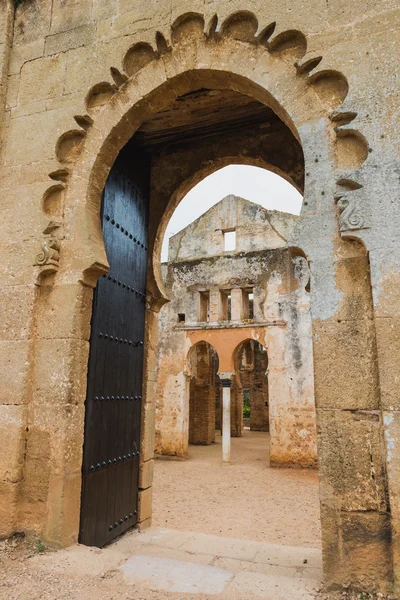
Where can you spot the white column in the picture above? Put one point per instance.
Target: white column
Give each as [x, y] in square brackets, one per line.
[226, 380]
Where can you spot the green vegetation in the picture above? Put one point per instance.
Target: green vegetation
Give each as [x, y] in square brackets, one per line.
[40, 547]
[246, 404]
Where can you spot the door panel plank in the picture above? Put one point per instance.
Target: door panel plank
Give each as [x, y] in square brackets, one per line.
[110, 470]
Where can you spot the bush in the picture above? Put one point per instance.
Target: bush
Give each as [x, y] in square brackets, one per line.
[246, 404]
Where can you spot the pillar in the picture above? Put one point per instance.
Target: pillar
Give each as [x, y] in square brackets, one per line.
[226, 382]
[237, 304]
[214, 305]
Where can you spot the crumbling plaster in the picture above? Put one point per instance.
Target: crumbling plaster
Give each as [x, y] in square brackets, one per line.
[263, 262]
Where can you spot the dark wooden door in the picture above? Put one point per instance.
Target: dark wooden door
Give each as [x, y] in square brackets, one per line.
[114, 392]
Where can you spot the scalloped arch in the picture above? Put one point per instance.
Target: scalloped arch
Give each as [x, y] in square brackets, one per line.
[99, 94]
[137, 57]
[331, 86]
[291, 44]
[187, 26]
[243, 62]
[241, 25]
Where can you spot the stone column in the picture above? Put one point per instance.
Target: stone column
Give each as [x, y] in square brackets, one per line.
[214, 305]
[226, 381]
[237, 304]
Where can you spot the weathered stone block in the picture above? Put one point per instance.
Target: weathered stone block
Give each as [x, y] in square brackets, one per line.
[49, 71]
[65, 311]
[64, 509]
[14, 369]
[69, 14]
[25, 52]
[148, 431]
[17, 303]
[351, 465]
[367, 560]
[30, 129]
[145, 504]
[146, 474]
[9, 499]
[61, 368]
[388, 343]
[356, 549]
[103, 9]
[67, 40]
[12, 441]
[345, 365]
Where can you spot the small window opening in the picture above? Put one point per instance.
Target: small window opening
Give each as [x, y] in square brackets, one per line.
[229, 240]
[181, 317]
[204, 307]
[226, 305]
[251, 305]
[248, 304]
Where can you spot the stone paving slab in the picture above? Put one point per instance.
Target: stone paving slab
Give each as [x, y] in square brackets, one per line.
[219, 546]
[225, 568]
[164, 562]
[255, 586]
[175, 553]
[289, 556]
[169, 575]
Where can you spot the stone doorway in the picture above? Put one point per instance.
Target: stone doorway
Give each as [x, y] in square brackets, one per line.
[304, 142]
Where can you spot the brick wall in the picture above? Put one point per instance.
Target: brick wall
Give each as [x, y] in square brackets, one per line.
[202, 396]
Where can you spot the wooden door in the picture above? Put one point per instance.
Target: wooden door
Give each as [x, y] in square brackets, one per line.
[114, 391]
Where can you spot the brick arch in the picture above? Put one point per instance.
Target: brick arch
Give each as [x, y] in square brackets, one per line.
[190, 353]
[239, 349]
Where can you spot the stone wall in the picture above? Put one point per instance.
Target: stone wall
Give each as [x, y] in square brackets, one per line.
[281, 311]
[340, 100]
[202, 398]
[204, 237]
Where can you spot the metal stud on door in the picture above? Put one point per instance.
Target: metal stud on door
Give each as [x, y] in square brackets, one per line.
[110, 469]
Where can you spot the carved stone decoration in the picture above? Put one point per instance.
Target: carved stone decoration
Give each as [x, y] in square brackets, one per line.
[349, 197]
[50, 253]
[350, 217]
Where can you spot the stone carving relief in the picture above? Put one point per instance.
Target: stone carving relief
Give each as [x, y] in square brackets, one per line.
[49, 256]
[351, 217]
[330, 87]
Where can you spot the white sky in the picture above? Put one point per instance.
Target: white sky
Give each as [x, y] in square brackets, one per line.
[253, 183]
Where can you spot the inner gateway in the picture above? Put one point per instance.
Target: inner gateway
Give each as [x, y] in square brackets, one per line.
[197, 134]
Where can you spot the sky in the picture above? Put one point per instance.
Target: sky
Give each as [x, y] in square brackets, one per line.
[253, 183]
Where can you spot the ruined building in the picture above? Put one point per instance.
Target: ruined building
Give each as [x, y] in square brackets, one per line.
[110, 112]
[246, 305]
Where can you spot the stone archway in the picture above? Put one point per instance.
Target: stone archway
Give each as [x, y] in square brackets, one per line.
[354, 515]
[203, 387]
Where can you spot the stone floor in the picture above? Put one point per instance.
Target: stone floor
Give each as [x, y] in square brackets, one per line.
[223, 532]
[246, 499]
[162, 564]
